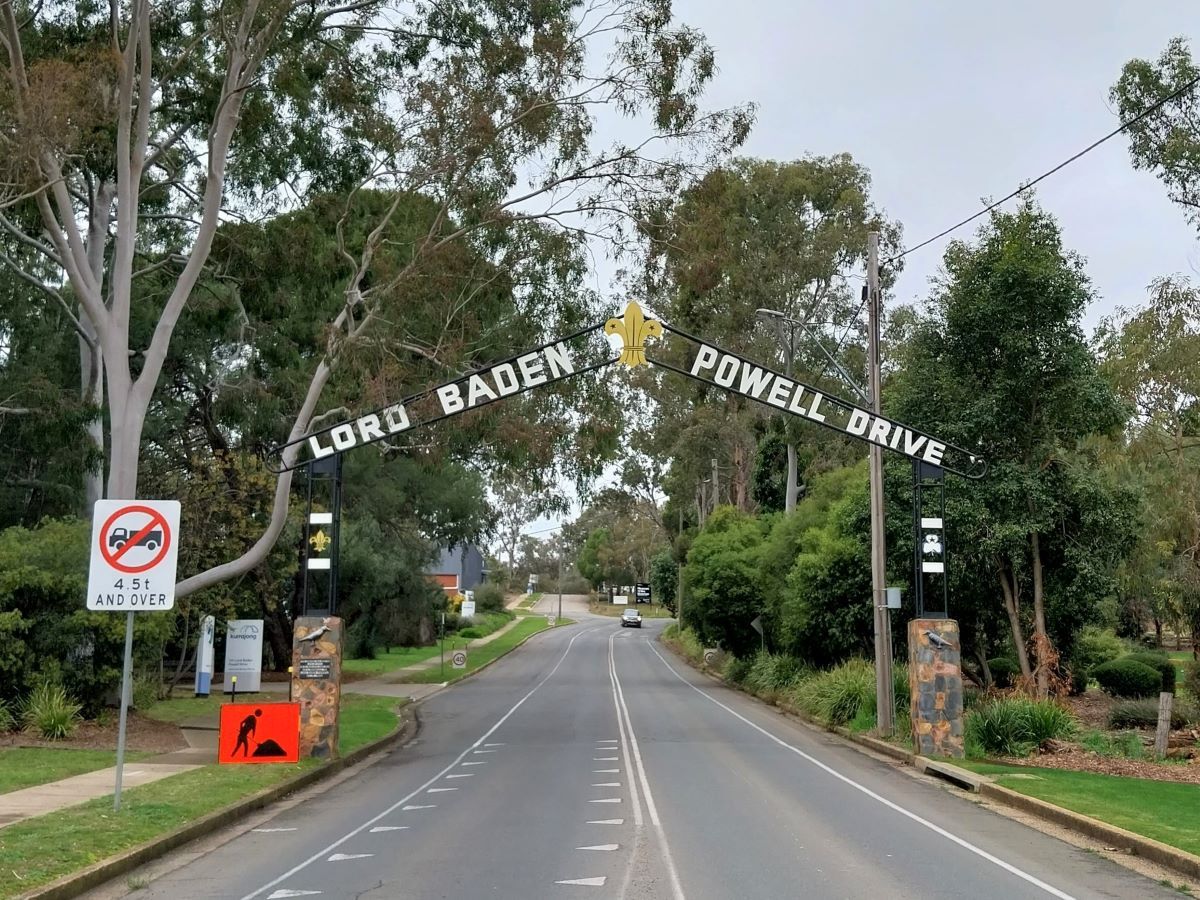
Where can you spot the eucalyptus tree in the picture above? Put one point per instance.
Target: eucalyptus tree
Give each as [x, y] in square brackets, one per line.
[132, 131]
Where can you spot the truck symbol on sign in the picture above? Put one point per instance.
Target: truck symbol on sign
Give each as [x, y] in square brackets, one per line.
[120, 537]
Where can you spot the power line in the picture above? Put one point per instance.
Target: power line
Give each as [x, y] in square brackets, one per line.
[1062, 165]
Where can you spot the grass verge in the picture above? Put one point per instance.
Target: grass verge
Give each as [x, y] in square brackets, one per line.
[40, 850]
[180, 709]
[22, 767]
[530, 600]
[485, 653]
[402, 657]
[648, 610]
[1162, 810]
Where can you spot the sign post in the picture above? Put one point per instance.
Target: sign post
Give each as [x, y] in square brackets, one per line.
[135, 546]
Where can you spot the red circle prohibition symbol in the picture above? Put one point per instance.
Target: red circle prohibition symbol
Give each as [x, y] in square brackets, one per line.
[112, 556]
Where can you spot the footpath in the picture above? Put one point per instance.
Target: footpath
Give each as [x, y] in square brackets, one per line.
[201, 733]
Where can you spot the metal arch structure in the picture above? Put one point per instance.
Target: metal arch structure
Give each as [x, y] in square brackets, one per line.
[578, 353]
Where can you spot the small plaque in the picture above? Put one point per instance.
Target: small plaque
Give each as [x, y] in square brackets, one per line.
[317, 667]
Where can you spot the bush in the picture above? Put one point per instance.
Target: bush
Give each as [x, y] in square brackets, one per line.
[1079, 681]
[1125, 745]
[145, 692]
[1164, 666]
[1127, 677]
[836, 696]
[1191, 678]
[1144, 714]
[1015, 726]
[1004, 671]
[469, 633]
[7, 721]
[685, 640]
[1095, 647]
[736, 669]
[51, 712]
[770, 673]
[489, 597]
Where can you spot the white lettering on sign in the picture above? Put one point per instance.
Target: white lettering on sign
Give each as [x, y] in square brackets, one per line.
[734, 373]
[370, 427]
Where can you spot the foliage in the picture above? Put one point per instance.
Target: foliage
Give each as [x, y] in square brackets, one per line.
[1160, 663]
[737, 669]
[685, 641]
[1144, 714]
[489, 597]
[1125, 745]
[722, 581]
[1004, 671]
[50, 711]
[1095, 646]
[664, 578]
[771, 673]
[8, 721]
[835, 696]
[1015, 726]
[1001, 366]
[1191, 678]
[1128, 678]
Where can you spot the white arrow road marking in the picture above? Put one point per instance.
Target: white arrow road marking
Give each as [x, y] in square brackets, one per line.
[604, 759]
[415, 806]
[440, 790]
[271, 830]
[605, 771]
[607, 800]
[482, 762]
[284, 892]
[338, 857]
[604, 847]
[586, 882]
[495, 745]
[485, 751]
[463, 775]
[606, 784]
[379, 828]
[607, 822]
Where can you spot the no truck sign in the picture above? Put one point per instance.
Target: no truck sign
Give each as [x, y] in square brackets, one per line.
[135, 544]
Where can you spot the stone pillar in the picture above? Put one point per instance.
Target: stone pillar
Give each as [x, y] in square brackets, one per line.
[936, 688]
[317, 683]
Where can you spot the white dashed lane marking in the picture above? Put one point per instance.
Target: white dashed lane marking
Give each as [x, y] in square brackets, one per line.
[440, 790]
[586, 882]
[605, 771]
[464, 775]
[379, 828]
[607, 848]
[417, 806]
[606, 784]
[284, 892]
[342, 857]
[607, 822]
[607, 800]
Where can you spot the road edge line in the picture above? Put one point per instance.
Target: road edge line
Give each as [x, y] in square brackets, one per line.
[99, 873]
[1179, 861]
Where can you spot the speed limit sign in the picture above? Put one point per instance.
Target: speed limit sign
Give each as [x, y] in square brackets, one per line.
[458, 659]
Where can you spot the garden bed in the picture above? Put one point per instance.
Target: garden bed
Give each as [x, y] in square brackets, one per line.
[142, 734]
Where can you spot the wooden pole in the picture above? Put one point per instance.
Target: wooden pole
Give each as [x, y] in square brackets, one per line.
[1165, 700]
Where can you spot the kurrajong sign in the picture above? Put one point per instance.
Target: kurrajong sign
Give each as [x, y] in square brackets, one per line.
[580, 352]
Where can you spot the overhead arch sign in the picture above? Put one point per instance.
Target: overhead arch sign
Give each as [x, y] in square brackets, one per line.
[581, 352]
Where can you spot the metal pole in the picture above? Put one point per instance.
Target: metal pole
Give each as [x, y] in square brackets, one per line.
[716, 494]
[884, 699]
[126, 679]
[336, 529]
[560, 562]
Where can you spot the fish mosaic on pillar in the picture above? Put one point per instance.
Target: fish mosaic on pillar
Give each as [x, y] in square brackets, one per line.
[317, 683]
[936, 686]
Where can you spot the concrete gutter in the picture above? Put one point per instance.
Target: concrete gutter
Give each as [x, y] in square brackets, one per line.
[76, 883]
[1179, 861]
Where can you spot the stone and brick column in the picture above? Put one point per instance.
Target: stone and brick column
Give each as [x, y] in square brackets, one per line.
[935, 682]
[317, 683]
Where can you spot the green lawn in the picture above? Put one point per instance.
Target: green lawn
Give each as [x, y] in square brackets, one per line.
[178, 709]
[1163, 810]
[40, 850]
[530, 600]
[648, 610]
[22, 767]
[485, 653]
[400, 657]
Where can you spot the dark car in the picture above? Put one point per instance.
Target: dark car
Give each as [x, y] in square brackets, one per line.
[632, 618]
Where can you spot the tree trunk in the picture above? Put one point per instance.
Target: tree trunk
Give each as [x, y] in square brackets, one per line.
[91, 387]
[1012, 605]
[1039, 618]
[793, 480]
[740, 478]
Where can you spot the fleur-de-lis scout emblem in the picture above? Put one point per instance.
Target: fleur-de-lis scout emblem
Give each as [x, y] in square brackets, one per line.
[320, 541]
[634, 328]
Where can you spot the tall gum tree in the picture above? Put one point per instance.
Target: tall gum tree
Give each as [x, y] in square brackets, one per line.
[133, 130]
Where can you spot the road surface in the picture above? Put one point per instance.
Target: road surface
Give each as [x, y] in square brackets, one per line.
[592, 764]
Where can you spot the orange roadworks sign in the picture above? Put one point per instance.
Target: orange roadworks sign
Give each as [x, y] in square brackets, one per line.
[259, 733]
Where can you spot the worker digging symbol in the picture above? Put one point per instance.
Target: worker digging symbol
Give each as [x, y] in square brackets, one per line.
[264, 748]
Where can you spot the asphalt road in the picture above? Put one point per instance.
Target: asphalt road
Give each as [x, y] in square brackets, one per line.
[592, 763]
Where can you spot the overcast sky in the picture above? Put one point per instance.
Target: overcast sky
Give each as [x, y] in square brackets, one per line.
[950, 102]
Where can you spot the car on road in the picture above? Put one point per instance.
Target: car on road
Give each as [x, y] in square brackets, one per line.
[631, 618]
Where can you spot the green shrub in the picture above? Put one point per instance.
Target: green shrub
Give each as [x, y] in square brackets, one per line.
[1004, 671]
[836, 696]
[1191, 678]
[50, 711]
[1095, 647]
[1015, 726]
[1127, 677]
[1144, 714]
[7, 721]
[489, 597]
[1126, 745]
[737, 668]
[770, 673]
[469, 633]
[145, 692]
[1159, 661]
[687, 642]
[1079, 682]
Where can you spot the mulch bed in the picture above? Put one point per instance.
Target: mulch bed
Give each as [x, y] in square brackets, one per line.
[141, 734]
[1085, 761]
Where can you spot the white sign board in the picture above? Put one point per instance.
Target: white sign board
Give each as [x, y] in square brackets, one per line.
[621, 600]
[458, 659]
[205, 656]
[243, 654]
[135, 545]
[468, 609]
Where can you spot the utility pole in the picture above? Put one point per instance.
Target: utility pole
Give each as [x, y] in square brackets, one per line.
[884, 699]
[560, 562]
[716, 494]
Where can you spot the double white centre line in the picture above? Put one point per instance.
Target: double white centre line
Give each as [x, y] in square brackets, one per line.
[632, 753]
